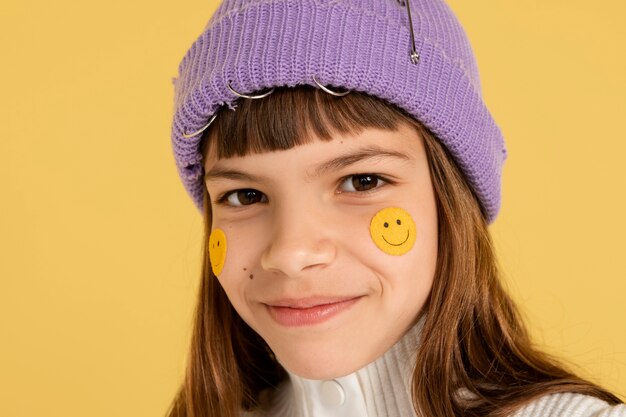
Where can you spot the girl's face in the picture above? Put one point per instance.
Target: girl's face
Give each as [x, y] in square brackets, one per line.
[302, 267]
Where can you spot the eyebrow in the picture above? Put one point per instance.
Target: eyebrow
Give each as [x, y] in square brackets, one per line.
[344, 161]
[337, 163]
[230, 174]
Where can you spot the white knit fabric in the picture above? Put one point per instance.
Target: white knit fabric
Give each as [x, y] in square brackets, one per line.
[382, 389]
[571, 405]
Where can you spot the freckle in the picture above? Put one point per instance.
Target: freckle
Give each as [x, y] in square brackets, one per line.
[251, 276]
[245, 269]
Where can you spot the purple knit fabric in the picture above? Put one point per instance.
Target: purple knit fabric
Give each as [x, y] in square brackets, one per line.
[361, 45]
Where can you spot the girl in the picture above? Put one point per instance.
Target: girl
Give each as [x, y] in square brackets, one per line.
[347, 170]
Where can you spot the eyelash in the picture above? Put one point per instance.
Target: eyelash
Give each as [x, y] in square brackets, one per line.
[223, 198]
[380, 178]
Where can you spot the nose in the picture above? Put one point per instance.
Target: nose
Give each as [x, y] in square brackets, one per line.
[300, 243]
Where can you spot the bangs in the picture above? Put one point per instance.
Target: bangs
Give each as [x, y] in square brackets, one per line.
[293, 116]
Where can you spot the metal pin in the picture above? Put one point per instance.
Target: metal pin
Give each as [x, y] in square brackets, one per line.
[247, 96]
[415, 57]
[329, 91]
[202, 129]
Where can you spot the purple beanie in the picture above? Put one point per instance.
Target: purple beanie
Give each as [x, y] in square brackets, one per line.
[360, 45]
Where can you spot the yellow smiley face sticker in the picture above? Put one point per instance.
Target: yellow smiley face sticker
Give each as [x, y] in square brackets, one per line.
[393, 230]
[217, 250]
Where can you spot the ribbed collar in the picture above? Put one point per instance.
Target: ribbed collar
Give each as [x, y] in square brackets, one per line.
[380, 389]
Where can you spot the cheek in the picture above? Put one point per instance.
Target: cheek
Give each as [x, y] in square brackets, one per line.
[240, 271]
[398, 275]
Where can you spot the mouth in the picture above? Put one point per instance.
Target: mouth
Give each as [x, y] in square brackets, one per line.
[308, 311]
[397, 244]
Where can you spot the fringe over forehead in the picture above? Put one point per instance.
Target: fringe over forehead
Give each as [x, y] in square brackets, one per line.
[293, 116]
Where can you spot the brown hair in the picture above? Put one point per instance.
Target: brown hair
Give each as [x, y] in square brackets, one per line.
[483, 346]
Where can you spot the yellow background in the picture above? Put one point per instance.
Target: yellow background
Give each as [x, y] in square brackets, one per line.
[100, 245]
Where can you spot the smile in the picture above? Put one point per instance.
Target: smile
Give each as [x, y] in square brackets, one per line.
[397, 244]
[308, 312]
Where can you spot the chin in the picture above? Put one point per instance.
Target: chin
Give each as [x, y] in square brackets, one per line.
[320, 366]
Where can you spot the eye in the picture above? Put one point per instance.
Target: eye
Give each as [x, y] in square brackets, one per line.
[361, 182]
[243, 197]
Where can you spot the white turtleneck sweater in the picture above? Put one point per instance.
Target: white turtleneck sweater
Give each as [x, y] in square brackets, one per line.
[382, 389]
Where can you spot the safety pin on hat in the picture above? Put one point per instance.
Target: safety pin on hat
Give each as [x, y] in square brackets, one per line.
[329, 91]
[415, 57]
[203, 128]
[254, 97]
[246, 96]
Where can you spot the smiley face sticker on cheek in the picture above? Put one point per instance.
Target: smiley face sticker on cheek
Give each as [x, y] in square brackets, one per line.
[217, 250]
[393, 231]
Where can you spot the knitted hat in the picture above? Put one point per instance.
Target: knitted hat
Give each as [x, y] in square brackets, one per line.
[361, 45]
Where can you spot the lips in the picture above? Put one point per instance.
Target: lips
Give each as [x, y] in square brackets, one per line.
[308, 311]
